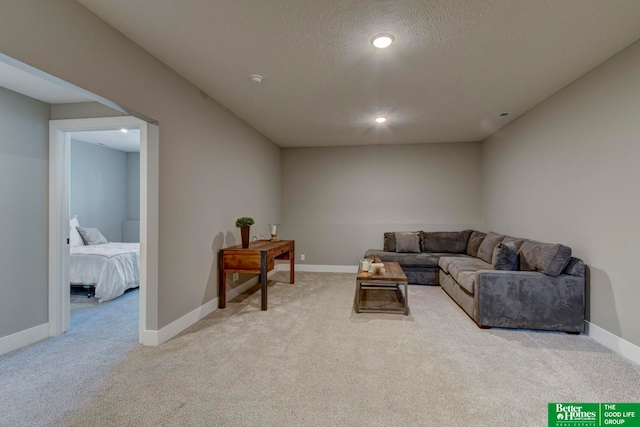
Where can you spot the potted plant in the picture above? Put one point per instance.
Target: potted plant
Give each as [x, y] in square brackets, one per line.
[244, 223]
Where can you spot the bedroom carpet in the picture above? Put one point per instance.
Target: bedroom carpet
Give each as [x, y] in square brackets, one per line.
[311, 361]
[42, 382]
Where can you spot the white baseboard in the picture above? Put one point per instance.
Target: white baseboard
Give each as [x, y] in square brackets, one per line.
[155, 338]
[613, 342]
[24, 338]
[317, 268]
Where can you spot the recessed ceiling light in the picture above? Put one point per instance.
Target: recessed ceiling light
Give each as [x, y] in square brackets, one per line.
[382, 41]
[255, 78]
[381, 119]
[124, 130]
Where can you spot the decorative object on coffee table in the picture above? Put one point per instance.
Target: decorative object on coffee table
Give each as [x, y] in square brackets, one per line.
[273, 230]
[365, 266]
[377, 268]
[244, 224]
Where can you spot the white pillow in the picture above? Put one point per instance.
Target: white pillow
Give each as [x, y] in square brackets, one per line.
[74, 236]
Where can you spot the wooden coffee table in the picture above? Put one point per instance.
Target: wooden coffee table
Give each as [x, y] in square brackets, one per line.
[390, 280]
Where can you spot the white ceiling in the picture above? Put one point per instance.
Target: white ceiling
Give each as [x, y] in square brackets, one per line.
[454, 66]
[23, 82]
[116, 139]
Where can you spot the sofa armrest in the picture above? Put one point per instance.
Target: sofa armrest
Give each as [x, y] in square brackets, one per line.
[529, 299]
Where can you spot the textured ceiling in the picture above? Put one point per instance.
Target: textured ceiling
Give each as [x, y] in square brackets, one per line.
[454, 66]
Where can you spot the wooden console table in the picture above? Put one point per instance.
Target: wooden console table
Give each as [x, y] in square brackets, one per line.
[258, 258]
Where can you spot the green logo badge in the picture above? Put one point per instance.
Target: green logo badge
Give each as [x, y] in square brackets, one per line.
[594, 414]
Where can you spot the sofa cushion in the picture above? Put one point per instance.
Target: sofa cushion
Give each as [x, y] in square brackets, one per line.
[446, 259]
[454, 242]
[505, 256]
[475, 239]
[458, 265]
[443, 263]
[516, 241]
[389, 242]
[467, 280]
[405, 259]
[547, 258]
[485, 251]
[408, 242]
[575, 267]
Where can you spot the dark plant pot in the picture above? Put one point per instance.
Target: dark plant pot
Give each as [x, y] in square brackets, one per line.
[244, 232]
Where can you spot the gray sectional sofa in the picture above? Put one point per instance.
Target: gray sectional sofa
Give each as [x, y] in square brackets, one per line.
[499, 281]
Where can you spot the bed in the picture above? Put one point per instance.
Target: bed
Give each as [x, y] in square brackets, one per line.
[111, 267]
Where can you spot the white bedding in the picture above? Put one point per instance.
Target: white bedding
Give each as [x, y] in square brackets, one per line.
[112, 268]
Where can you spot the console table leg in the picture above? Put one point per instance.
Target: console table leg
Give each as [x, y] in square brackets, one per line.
[263, 279]
[222, 282]
[292, 261]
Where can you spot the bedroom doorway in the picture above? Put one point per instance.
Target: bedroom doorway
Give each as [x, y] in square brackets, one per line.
[104, 205]
[60, 132]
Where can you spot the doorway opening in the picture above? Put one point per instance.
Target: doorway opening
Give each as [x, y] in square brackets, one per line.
[104, 230]
[60, 135]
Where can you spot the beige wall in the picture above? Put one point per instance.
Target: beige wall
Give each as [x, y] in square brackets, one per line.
[337, 201]
[213, 167]
[83, 110]
[568, 171]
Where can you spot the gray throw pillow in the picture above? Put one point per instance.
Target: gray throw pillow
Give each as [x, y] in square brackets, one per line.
[408, 242]
[92, 236]
[485, 251]
[475, 240]
[547, 258]
[505, 256]
[389, 244]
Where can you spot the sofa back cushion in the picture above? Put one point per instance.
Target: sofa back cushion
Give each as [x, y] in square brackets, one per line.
[547, 258]
[505, 256]
[516, 241]
[389, 244]
[408, 242]
[491, 240]
[453, 242]
[575, 267]
[475, 239]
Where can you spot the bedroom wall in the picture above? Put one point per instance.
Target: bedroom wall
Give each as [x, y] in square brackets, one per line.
[338, 201]
[213, 167]
[133, 186]
[131, 226]
[24, 165]
[567, 171]
[99, 188]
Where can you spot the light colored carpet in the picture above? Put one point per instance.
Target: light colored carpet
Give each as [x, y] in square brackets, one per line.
[42, 382]
[311, 361]
[79, 299]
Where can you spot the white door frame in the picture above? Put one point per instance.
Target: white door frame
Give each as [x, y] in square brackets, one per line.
[59, 164]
